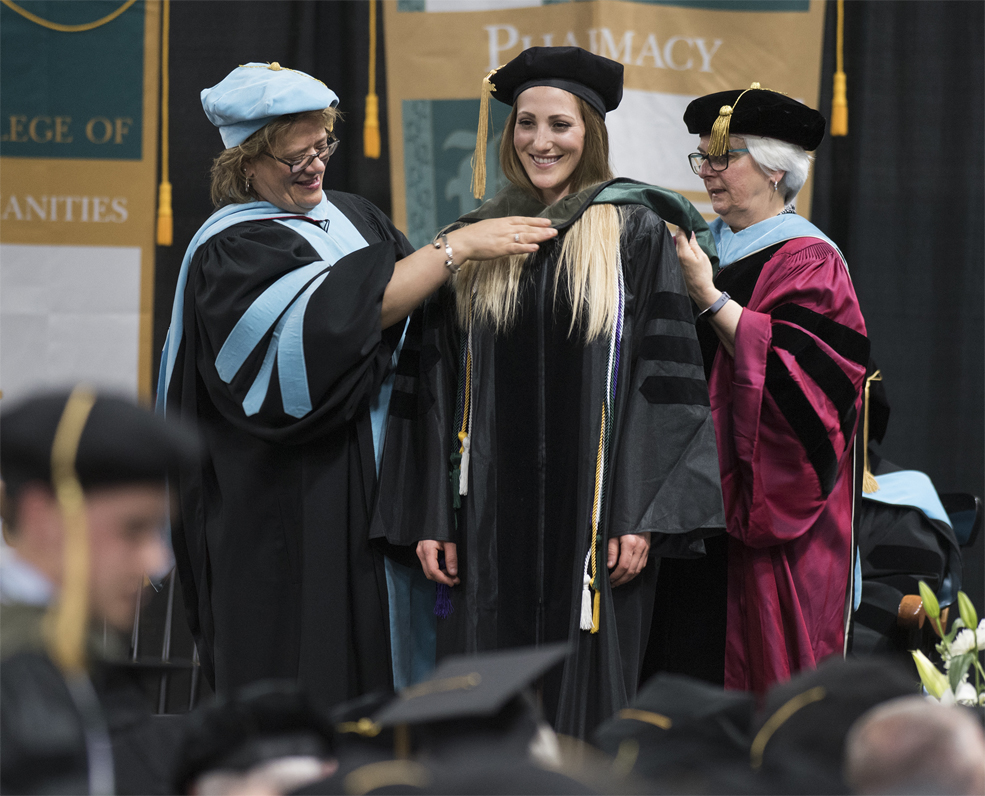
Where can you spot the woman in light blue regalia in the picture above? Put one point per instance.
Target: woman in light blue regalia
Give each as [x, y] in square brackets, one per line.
[287, 320]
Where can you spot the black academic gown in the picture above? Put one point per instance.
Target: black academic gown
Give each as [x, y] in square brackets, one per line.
[524, 526]
[271, 543]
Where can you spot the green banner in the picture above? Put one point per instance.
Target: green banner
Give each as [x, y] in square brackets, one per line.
[75, 93]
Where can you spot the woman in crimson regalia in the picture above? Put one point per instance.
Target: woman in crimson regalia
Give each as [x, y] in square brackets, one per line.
[786, 349]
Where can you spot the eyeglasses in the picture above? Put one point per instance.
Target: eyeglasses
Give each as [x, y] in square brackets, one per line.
[717, 162]
[299, 165]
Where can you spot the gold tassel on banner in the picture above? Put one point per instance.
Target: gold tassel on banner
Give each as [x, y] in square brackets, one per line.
[67, 620]
[839, 103]
[371, 126]
[718, 143]
[165, 220]
[479, 158]
[869, 483]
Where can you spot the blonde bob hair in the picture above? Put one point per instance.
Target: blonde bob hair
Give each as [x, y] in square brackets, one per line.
[588, 261]
[228, 169]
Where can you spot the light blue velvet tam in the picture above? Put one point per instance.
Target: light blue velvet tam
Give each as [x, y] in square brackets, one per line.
[253, 95]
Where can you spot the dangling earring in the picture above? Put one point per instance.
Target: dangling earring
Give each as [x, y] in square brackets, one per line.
[248, 185]
[775, 185]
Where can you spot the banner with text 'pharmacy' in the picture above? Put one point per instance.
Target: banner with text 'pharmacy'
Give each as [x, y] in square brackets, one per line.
[438, 51]
[78, 133]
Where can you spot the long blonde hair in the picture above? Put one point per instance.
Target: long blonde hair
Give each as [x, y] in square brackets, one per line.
[589, 252]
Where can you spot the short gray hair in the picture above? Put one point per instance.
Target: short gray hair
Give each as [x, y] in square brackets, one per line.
[771, 155]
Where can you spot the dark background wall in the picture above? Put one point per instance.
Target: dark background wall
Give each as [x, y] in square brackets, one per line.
[902, 194]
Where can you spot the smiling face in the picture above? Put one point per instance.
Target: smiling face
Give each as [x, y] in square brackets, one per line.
[549, 139]
[273, 180]
[743, 194]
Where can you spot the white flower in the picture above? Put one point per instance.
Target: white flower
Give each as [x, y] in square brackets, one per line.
[947, 698]
[964, 642]
[966, 694]
[981, 635]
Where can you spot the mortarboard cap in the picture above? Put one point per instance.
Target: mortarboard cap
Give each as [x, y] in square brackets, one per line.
[595, 79]
[120, 443]
[756, 111]
[471, 686]
[253, 95]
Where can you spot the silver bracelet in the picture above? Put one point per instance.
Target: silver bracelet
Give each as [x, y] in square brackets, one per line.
[711, 309]
[449, 262]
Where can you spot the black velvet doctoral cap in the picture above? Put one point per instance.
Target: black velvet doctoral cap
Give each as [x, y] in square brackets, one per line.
[595, 79]
[121, 442]
[757, 111]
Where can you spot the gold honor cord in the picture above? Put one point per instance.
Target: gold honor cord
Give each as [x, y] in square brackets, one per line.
[67, 621]
[775, 721]
[44, 23]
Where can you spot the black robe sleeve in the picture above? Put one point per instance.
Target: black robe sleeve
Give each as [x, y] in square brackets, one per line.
[664, 473]
[416, 491]
[346, 354]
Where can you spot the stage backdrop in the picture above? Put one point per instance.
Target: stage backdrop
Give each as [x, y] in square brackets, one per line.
[438, 51]
[78, 132]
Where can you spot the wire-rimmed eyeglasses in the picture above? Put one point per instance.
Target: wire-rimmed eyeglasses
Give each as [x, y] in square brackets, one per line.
[717, 162]
[299, 165]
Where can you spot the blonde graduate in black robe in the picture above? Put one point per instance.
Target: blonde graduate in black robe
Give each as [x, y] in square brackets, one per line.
[565, 393]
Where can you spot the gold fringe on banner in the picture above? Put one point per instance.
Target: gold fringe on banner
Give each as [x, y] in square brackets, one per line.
[57, 26]
[479, 158]
[165, 220]
[371, 126]
[67, 621]
[869, 483]
[839, 102]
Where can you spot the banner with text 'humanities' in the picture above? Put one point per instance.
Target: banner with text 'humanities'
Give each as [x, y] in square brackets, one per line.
[438, 51]
[78, 133]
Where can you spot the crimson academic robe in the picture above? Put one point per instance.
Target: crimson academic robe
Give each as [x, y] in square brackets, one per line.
[276, 354]
[525, 524]
[786, 408]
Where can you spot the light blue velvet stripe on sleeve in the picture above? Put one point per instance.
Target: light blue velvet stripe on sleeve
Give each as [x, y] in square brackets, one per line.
[284, 304]
[218, 222]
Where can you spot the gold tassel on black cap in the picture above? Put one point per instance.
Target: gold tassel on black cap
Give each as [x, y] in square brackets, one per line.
[839, 102]
[718, 145]
[67, 621]
[479, 159]
[869, 483]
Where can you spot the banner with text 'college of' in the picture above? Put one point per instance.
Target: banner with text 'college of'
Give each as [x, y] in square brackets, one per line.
[78, 131]
[438, 51]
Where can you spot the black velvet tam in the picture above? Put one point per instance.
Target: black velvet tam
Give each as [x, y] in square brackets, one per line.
[121, 442]
[758, 112]
[595, 79]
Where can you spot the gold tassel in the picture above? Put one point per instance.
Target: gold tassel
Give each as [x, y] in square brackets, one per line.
[165, 221]
[479, 159]
[371, 125]
[718, 145]
[869, 483]
[596, 604]
[839, 102]
[67, 620]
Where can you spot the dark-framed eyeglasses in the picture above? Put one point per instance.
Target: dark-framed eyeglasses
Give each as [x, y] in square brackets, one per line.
[717, 162]
[299, 165]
